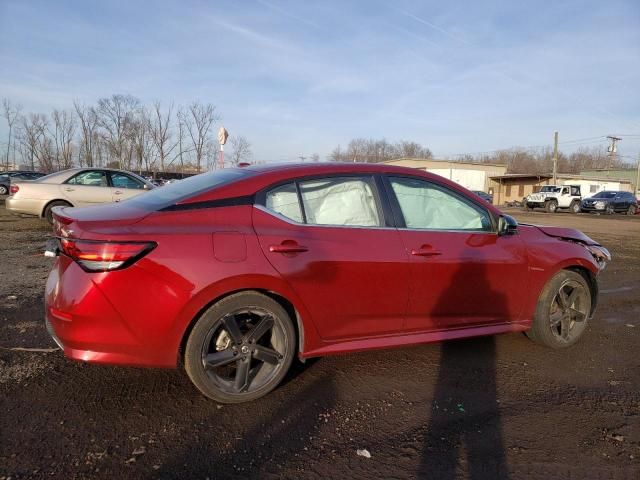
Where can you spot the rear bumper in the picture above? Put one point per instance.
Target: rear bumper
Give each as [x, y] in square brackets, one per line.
[104, 318]
[26, 206]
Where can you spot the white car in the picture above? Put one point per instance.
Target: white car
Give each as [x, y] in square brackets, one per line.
[76, 187]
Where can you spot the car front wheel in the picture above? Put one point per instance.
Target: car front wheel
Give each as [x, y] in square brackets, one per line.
[241, 348]
[551, 206]
[562, 312]
[3, 190]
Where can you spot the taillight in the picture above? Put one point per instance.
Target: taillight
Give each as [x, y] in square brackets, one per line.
[14, 189]
[97, 256]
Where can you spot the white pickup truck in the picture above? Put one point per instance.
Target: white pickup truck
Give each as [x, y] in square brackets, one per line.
[553, 197]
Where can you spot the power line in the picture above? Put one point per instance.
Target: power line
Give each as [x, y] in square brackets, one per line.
[574, 142]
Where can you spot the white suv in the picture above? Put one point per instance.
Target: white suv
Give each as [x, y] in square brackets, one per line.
[553, 197]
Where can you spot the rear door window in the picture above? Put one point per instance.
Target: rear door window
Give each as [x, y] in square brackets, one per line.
[347, 201]
[337, 201]
[90, 178]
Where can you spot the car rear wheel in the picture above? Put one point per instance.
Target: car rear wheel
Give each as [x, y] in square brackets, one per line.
[48, 214]
[241, 348]
[631, 210]
[3, 190]
[551, 206]
[562, 312]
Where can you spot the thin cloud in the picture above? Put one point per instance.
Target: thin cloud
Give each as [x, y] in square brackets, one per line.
[286, 13]
[435, 27]
[252, 35]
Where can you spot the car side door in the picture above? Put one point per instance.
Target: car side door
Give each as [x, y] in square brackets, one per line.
[462, 273]
[330, 241]
[87, 187]
[125, 186]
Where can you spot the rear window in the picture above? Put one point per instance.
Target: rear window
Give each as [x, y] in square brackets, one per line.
[173, 193]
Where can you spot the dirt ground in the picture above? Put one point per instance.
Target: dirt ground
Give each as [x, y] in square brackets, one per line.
[498, 407]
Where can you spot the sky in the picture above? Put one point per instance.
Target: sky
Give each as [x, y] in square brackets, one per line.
[301, 77]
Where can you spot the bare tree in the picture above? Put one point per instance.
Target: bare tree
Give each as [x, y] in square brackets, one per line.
[11, 114]
[198, 120]
[160, 133]
[115, 116]
[241, 150]
[315, 157]
[63, 132]
[141, 140]
[34, 135]
[88, 133]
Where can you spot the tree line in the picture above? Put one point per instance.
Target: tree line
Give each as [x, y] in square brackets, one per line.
[517, 160]
[119, 131]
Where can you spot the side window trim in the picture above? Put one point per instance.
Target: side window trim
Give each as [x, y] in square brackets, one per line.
[399, 217]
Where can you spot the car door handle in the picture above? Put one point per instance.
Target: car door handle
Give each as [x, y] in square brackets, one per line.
[288, 248]
[117, 192]
[69, 189]
[425, 251]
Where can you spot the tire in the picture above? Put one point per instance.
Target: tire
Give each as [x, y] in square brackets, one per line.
[631, 210]
[245, 368]
[575, 207]
[48, 214]
[551, 206]
[560, 318]
[609, 210]
[3, 190]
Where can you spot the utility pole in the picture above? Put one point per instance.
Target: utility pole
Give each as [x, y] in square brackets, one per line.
[613, 149]
[555, 157]
[302, 157]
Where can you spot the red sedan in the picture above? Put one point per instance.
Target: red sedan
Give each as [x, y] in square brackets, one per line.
[233, 273]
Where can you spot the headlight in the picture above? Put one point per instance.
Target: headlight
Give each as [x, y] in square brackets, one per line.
[600, 254]
[599, 204]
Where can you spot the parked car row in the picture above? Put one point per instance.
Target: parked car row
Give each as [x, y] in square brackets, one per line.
[6, 178]
[555, 197]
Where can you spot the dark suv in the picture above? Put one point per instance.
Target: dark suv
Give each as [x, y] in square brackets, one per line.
[611, 202]
[12, 175]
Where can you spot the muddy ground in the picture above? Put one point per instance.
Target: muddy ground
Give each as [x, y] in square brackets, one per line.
[483, 408]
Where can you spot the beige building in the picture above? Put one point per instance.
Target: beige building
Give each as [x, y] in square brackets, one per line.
[471, 175]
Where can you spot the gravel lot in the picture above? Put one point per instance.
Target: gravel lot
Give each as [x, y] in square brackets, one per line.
[481, 408]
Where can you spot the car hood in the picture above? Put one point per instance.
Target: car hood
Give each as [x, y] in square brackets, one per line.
[567, 234]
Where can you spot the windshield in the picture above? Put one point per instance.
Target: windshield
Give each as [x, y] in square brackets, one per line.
[175, 192]
[549, 188]
[605, 195]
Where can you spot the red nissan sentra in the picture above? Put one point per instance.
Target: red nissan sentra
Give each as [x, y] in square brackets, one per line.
[233, 273]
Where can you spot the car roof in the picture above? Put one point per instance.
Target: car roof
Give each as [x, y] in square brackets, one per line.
[301, 168]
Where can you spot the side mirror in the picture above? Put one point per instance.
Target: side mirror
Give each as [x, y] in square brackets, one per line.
[507, 225]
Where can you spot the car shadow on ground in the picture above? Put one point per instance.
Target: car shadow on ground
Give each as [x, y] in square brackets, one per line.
[264, 443]
[464, 430]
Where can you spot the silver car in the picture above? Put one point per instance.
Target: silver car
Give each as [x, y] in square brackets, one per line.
[76, 187]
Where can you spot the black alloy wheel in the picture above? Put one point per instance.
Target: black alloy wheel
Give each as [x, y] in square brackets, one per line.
[563, 310]
[241, 348]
